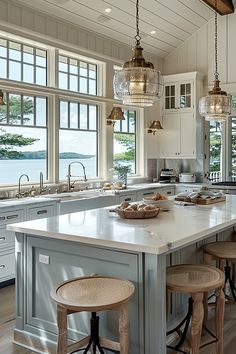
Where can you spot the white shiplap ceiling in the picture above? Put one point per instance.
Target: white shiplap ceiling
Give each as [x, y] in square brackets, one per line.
[173, 20]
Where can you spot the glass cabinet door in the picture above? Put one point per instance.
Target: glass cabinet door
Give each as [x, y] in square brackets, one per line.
[178, 96]
[170, 92]
[185, 97]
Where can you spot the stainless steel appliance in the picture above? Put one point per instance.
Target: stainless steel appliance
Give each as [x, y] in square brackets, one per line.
[167, 176]
[187, 177]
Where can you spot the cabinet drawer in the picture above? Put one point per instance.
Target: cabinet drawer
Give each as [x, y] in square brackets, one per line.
[168, 192]
[7, 266]
[146, 193]
[127, 198]
[7, 239]
[40, 212]
[10, 217]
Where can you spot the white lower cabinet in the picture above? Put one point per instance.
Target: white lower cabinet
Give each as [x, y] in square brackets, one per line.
[41, 212]
[168, 191]
[187, 189]
[127, 198]
[7, 266]
[7, 238]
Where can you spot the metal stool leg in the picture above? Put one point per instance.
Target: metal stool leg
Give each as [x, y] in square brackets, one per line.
[229, 279]
[186, 320]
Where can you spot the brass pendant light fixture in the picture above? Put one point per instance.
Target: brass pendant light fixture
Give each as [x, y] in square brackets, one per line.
[138, 83]
[116, 114]
[154, 127]
[217, 105]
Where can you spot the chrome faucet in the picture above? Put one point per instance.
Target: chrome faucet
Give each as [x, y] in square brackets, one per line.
[20, 194]
[69, 174]
[41, 187]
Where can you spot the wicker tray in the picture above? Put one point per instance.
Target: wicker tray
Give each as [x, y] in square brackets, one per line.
[202, 201]
[137, 214]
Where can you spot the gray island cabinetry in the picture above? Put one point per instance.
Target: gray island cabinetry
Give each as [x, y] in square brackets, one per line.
[53, 249]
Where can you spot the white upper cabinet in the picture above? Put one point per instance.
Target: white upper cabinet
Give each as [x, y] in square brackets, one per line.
[182, 135]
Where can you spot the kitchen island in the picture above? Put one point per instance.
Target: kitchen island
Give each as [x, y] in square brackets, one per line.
[51, 250]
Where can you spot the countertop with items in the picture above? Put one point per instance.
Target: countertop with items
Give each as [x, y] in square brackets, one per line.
[166, 232]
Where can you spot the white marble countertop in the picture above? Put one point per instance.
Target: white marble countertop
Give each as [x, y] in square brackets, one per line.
[167, 232]
[16, 203]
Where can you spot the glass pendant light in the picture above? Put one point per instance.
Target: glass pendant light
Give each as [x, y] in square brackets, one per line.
[138, 83]
[217, 105]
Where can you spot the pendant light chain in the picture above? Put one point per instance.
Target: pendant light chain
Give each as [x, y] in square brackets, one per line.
[216, 106]
[138, 83]
[137, 37]
[216, 45]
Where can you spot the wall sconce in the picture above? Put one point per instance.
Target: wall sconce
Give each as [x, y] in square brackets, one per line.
[116, 114]
[2, 103]
[154, 127]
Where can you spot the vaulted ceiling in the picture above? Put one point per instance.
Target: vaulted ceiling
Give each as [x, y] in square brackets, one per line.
[164, 24]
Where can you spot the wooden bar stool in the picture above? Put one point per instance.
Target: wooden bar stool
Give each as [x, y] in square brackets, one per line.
[93, 294]
[198, 280]
[224, 252]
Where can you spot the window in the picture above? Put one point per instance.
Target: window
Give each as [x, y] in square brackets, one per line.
[124, 141]
[232, 141]
[78, 138]
[23, 137]
[215, 150]
[22, 62]
[77, 75]
[222, 148]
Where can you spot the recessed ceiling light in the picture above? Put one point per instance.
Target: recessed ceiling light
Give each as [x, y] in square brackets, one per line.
[107, 10]
[152, 32]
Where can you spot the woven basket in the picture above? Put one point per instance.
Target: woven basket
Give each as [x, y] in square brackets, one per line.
[137, 214]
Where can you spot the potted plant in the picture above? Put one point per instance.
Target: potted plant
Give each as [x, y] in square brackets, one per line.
[122, 172]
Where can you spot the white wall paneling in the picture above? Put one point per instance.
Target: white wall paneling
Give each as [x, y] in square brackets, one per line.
[23, 20]
[197, 53]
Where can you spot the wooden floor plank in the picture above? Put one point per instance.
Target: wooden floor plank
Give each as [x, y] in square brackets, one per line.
[7, 324]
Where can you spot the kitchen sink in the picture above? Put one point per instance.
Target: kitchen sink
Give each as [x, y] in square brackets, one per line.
[74, 195]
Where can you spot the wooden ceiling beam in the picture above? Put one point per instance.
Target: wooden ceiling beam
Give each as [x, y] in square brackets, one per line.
[223, 7]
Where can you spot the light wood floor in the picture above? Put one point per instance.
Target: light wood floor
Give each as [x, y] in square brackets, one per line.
[7, 323]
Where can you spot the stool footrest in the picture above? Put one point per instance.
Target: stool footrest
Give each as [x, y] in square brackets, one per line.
[94, 341]
[109, 344]
[183, 334]
[80, 345]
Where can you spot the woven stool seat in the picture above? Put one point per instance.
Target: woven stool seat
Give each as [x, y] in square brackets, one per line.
[197, 280]
[193, 278]
[93, 294]
[225, 253]
[221, 249]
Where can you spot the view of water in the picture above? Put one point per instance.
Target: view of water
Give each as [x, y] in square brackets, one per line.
[10, 170]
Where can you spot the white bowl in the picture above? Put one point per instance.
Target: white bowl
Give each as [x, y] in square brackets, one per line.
[163, 204]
